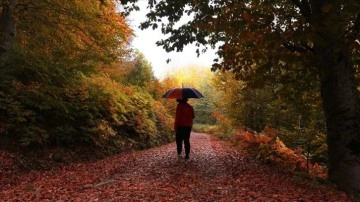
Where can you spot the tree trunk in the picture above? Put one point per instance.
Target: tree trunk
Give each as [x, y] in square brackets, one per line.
[7, 29]
[339, 96]
[341, 109]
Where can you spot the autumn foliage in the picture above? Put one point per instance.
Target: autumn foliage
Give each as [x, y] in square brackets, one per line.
[216, 171]
[269, 147]
[72, 84]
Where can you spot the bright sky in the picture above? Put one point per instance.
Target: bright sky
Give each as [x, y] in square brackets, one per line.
[145, 43]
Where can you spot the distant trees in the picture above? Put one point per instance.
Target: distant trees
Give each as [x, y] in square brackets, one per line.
[140, 73]
[196, 77]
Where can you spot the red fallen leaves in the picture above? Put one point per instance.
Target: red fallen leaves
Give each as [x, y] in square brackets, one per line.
[215, 172]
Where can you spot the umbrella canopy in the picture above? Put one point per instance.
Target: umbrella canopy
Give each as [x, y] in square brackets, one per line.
[181, 93]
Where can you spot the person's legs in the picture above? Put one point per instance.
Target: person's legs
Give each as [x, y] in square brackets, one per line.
[178, 140]
[187, 131]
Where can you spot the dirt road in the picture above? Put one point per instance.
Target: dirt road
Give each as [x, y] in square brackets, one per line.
[214, 172]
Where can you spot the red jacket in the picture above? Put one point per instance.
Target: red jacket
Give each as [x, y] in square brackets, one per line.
[184, 115]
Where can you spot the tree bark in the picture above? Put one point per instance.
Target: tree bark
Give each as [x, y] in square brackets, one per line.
[341, 109]
[339, 95]
[7, 29]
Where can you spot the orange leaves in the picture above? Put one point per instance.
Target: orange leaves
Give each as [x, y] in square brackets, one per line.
[267, 146]
[251, 138]
[271, 132]
[246, 136]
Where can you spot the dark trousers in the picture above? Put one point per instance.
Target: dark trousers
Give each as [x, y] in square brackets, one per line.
[183, 135]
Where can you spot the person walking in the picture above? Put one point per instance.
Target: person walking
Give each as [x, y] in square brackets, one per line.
[183, 123]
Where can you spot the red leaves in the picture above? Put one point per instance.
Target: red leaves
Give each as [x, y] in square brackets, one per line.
[214, 172]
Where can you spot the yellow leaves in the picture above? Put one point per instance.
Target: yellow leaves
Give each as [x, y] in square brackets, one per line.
[189, 76]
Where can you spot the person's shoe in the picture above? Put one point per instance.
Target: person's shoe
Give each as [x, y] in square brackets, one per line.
[187, 157]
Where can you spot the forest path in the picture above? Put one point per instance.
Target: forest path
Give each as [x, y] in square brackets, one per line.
[215, 171]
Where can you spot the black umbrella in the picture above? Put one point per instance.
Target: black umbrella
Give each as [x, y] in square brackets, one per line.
[181, 93]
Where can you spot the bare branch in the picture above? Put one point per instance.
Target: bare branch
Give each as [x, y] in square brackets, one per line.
[301, 48]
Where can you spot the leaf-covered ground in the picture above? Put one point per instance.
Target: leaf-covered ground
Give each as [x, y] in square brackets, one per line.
[215, 172]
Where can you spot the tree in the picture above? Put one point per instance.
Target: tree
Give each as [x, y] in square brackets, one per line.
[204, 108]
[62, 79]
[7, 29]
[140, 74]
[45, 93]
[263, 38]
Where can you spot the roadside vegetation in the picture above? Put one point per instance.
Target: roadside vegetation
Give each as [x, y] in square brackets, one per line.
[72, 89]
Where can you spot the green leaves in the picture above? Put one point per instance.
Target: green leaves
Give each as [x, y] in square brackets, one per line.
[73, 81]
[140, 73]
